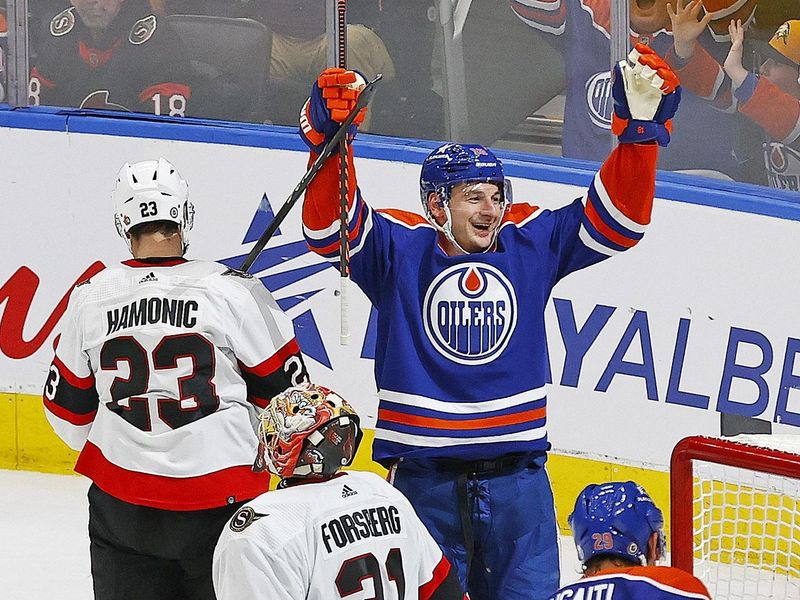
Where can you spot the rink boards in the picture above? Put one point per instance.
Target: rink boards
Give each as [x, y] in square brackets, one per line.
[645, 348]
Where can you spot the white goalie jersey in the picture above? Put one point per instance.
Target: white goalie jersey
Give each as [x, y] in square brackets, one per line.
[351, 536]
[158, 372]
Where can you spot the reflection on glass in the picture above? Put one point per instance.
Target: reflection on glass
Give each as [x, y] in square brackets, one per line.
[757, 81]
[534, 73]
[111, 54]
[3, 52]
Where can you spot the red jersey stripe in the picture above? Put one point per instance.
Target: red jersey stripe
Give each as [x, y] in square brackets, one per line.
[82, 383]
[165, 89]
[171, 493]
[604, 229]
[440, 573]
[274, 362]
[142, 264]
[67, 415]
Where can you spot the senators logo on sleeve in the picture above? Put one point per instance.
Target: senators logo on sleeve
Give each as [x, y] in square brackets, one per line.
[142, 30]
[63, 22]
[245, 517]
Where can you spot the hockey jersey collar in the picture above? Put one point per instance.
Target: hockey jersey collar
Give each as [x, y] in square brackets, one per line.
[155, 261]
[295, 481]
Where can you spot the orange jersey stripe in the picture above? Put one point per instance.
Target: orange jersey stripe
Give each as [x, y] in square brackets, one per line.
[465, 424]
[404, 216]
[605, 230]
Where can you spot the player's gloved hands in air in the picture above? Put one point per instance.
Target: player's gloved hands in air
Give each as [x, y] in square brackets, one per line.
[333, 96]
[646, 95]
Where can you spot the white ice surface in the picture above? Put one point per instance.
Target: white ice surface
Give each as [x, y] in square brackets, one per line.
[44, 544]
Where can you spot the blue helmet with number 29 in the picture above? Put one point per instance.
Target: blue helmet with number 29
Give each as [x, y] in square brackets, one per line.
[151, 190]
[616, 518]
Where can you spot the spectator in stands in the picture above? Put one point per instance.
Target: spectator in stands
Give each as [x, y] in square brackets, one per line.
[769, 98]
[300, 53]
[619, 535]
[112, 54]
[582, 30]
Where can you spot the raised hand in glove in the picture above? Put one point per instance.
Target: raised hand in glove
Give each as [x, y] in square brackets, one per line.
[333, 96]
[646, 95]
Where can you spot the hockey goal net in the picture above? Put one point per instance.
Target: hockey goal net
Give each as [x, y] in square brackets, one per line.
[735, 507]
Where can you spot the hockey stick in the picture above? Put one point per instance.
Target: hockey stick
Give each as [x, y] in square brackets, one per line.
[326, 152]
[344, 240]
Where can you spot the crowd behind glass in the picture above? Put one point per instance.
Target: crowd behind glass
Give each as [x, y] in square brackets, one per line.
[514, 74]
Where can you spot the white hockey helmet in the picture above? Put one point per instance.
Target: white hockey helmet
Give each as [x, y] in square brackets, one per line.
[151, 190]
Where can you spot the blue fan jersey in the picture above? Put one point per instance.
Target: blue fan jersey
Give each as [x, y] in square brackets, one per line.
[702, 138]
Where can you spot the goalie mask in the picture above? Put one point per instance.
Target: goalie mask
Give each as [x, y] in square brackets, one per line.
[617, 519]
[453, 164]
[307, 430]
[151, 190]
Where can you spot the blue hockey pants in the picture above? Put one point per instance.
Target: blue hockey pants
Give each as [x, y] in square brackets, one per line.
[495, 521]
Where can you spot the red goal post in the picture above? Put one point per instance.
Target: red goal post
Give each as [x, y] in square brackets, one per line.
[735, 514]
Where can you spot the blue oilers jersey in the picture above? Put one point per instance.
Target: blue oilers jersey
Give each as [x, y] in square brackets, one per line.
[636, 583]
[461, 358]
[702, 138]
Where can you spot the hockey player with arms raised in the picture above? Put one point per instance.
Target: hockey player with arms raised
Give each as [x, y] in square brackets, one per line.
[325, 533]
[461, 360]
[619, 534]
[157, 376]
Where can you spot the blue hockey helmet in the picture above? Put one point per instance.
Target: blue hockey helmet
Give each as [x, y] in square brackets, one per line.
[616, 518]
[451, 164]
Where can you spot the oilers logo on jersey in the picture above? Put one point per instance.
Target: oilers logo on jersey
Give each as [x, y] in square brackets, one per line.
[598, 99]
[470, 313]
[783, 166]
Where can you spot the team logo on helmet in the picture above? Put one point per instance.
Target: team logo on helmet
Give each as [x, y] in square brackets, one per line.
[63, 22]
[598, 99]
[470, 312]
[782, 34]
[142, 30]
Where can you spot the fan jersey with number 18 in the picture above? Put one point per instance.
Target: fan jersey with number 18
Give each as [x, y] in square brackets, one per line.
[352, 535]
[157, 374]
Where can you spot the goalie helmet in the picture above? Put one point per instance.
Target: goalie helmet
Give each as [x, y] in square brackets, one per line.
[151, 190]
[618, 519]
[307, 430]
